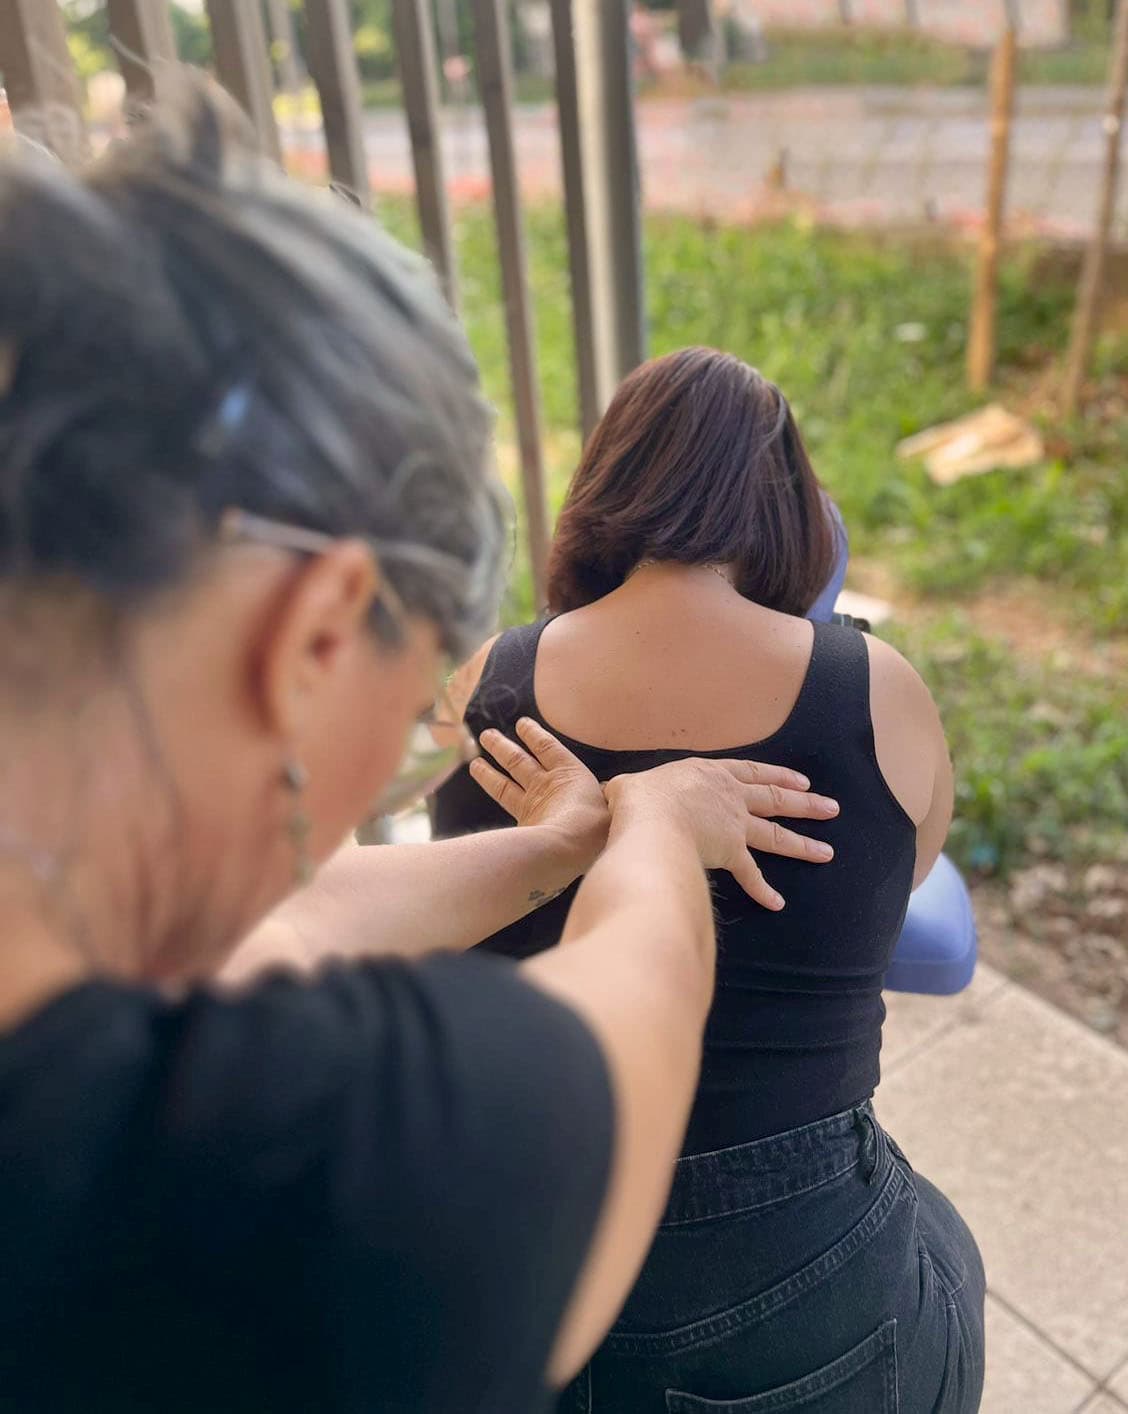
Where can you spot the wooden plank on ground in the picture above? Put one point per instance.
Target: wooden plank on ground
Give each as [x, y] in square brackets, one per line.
[495, 86]
[332, 63]
[242, 62]
[415, 48]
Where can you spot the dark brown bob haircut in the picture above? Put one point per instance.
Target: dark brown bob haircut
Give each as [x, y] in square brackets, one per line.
[697, 460]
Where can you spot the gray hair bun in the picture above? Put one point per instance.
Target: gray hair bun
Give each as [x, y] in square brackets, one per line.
[183, 329]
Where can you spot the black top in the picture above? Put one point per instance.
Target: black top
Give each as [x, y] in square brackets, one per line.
[371, 1192]
[795, 1030]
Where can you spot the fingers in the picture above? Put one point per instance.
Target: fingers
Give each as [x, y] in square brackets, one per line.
[551, 753]
[520, 765]
[769, 800]
[749, 876]
[498, 787]
[757, 773]
[773, 838]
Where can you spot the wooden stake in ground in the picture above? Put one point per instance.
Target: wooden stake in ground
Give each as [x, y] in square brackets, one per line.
[981, 337]
[1086, 315]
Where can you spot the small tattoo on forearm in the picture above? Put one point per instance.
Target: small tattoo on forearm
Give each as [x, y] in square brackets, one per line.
[538, 898]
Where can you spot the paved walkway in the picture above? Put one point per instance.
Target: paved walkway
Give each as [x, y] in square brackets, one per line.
[858, 155]
[1020, 1115]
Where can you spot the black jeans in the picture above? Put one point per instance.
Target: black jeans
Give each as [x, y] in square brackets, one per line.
[810, 1271]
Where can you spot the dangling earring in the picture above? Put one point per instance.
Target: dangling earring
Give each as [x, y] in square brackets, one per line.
[295, 778]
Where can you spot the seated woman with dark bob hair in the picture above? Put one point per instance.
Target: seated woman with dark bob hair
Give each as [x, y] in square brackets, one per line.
[801, 1262]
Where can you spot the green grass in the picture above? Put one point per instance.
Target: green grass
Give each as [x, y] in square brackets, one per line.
[828, 316]
[798, 58]
[853, 56]
[1085, 62]
[1041, 751]
[386, 93]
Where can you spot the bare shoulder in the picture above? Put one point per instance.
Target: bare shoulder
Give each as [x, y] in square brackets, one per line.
[464, 683]
[907, 733]
[892, 676]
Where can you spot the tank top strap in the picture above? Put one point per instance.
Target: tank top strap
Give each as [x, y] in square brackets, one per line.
[505, 690]
[834, 701]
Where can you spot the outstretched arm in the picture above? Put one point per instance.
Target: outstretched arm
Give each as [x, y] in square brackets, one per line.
[450, 894]
[412, 899]
[636, 959]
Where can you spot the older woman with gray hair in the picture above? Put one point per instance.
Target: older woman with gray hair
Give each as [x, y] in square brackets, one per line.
[245, 518]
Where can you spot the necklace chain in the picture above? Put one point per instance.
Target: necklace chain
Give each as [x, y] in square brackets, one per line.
[718, 570]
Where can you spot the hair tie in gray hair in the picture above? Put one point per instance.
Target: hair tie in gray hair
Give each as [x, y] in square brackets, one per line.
[223, 426]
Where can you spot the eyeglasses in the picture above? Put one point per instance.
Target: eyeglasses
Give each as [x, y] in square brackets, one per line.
[440, 743]
[242, 527]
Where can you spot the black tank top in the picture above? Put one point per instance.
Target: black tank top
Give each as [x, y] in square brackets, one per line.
[795, 1029]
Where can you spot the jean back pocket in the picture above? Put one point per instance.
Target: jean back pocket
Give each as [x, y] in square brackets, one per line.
[863, 1381]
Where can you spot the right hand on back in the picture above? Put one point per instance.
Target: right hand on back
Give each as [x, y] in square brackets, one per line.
[727, 808]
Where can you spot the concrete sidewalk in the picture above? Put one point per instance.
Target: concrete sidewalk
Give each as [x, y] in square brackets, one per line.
[1020, 1115]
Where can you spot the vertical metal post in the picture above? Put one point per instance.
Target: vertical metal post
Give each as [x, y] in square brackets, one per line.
[591, 390]
[415, 46]
[333, 65]
[283, 45]
[446, 18]
[142, 38]
[495, 85]
[611, 187]
[243, 65]
[1086, 317]
[39, 77]
[622, 179]
[697, 31]
[601, 189]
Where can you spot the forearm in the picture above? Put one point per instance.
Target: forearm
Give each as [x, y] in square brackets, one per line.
[412, 899]
[649, 886]
[636, 962]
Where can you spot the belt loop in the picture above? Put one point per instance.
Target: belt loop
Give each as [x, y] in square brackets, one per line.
[868, 1147]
